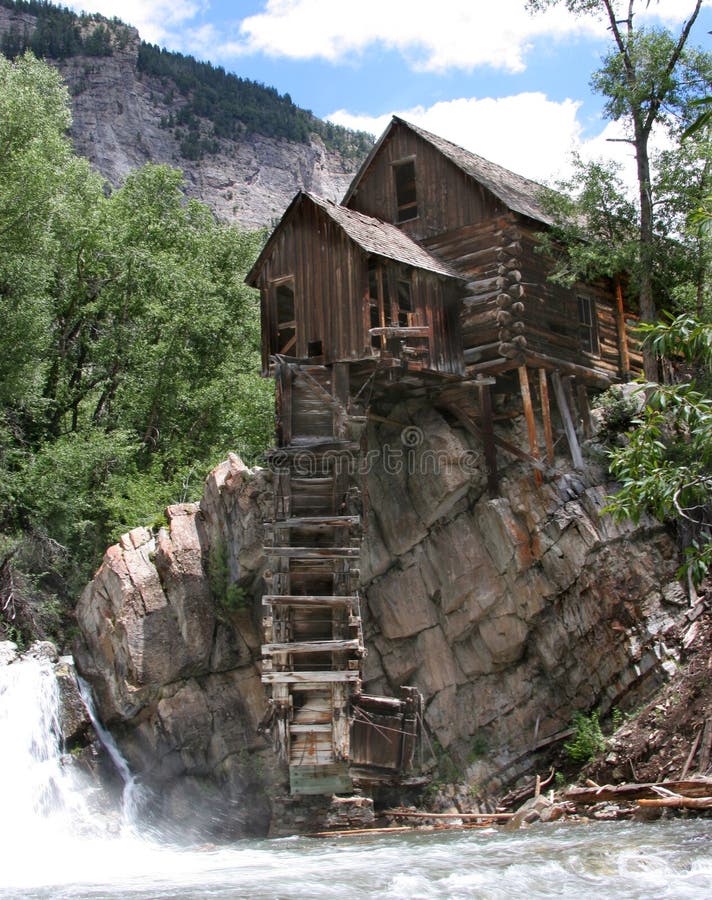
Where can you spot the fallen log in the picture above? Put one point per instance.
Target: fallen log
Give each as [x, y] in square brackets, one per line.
[697, 788]
[394, 829]
[419, 814]
[678, 802]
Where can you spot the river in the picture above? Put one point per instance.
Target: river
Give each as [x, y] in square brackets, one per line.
[54, 845]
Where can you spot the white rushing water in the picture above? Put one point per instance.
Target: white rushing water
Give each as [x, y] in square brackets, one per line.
[53, 844]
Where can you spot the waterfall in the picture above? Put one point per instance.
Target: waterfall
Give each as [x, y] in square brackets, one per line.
[45, 793]
[134, 796]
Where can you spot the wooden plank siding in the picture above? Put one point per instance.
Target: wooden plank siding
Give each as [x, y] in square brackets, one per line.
[329, 275]
[489, 254]
[447, 198]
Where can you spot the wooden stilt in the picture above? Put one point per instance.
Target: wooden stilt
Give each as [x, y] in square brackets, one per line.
[488, 439]
[584, 410]
[529, 415]
[567, 421]
[546, 416]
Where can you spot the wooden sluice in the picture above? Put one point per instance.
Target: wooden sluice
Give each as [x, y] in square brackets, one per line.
[313, 640]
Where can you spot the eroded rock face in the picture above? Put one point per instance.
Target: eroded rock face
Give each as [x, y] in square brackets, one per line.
[508, 613]
[511, 612]
[171, 657]
[117, 112]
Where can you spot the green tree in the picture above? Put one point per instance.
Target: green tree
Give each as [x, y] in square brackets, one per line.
[665, 468]
[129, 353]
[595, 234]
[644, 78]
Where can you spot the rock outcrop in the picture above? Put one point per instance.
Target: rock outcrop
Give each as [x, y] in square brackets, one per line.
[171, 635]
[509, 613]
[117, 114]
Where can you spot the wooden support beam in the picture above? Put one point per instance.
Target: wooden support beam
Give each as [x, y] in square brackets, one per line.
[552, 363]
[312, 647]
[329, 677]
[488, 439]
[318, 391]
[529, 416]
[315, 600]
[569, 428]
[311, 728]
[395, 331]
[584, 410]
[500, 442]
[317, 522]
[314, 552]
[622, 330]
[546, 416]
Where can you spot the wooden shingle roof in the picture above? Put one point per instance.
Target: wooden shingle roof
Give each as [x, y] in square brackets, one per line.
[372, 235]
[518, 193]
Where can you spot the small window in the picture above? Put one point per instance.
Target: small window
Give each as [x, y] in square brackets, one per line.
[406, 200]
[588, 324]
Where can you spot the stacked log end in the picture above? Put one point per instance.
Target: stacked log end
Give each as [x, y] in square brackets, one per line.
[510, 305]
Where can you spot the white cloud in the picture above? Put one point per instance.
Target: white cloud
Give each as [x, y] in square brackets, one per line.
[451, 34]
[527, 133]
[458, 34]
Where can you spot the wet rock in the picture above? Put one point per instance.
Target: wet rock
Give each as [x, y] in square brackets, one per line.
[74, 720]
[8, 652]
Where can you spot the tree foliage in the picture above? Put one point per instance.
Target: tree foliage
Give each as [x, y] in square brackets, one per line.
[665, 467]
[129, 348]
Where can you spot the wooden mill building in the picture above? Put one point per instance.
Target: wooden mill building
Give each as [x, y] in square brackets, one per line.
[426, 278]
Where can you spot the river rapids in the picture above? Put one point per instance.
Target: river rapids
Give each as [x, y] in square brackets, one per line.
[56, 842]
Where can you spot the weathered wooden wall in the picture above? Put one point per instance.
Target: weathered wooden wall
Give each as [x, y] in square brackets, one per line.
[329, 274]
[447, 198]
[511, 306]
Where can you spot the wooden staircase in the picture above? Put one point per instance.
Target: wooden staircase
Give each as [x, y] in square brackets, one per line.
[312, 624]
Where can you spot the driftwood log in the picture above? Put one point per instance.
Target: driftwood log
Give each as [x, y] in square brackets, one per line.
[678, 802]
[698, 788]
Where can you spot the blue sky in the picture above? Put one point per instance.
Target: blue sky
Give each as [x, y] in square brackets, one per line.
[486, 74]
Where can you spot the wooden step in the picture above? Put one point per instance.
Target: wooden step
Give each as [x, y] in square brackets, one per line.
[313, 647]
[316, 521]
[314, 445]
[314, 552]
[308, 728]
[310, 600]
[330, 677]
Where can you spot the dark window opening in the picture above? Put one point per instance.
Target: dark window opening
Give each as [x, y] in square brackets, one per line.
[286, 321]
[405, 304]
[406, 199]
[315, 348]
[588, 325]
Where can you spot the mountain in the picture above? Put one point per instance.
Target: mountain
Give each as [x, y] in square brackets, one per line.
[245, 149]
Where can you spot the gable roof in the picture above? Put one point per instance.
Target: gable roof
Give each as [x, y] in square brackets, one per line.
[371, 235]
[518, 193]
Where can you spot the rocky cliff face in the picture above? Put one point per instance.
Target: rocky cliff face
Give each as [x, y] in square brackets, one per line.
[117, 126]
[509, 613]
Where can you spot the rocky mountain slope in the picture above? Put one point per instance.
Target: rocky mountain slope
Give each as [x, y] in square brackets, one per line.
[120, 115]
